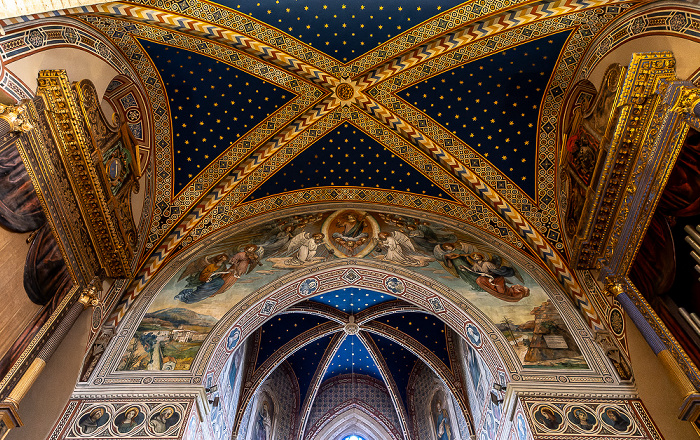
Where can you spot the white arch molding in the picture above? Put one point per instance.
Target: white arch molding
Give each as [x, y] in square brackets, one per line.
[449, 306]
[426, 293]
[354, 419]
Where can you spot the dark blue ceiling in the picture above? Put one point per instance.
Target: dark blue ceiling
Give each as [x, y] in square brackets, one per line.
[493, 104]
[399, 361]
[343, 30]
[426, 329]
[352, 300]
[352, 357]
[281, 329]
[212, 104]
[305, 361]
[346, 156]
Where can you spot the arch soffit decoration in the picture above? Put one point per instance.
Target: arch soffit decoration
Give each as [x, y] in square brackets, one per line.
[635, 24]
[117, 10]
[73, 33]
[245, 315]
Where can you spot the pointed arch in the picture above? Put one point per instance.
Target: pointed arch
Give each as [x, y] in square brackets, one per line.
[352, 417]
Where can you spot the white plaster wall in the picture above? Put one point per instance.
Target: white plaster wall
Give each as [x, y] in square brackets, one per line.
[17, 8]
[659, 394]
[79, 64]
[17, 310]
[45, 401]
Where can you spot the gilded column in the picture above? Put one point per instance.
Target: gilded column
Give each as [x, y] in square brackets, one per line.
[690, 410]
[9, 416]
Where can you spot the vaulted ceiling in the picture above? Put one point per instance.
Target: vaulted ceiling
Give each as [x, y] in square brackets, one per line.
[392, 339]
[447, 108]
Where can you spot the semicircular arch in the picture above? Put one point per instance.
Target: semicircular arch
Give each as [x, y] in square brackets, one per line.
[247, 312]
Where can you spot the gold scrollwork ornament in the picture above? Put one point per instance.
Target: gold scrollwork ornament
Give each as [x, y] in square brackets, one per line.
[687, 100]
[16, 117]
[90, 296]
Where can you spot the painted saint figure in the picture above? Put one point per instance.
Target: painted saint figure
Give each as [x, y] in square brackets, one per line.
[442, 423]
[353, 233]
[263, 423]
[165, 419]
[129, 419]
[490, 276]
[213, 278]
[582, 419]
[616, 420]
[93, 420]
[548, 417]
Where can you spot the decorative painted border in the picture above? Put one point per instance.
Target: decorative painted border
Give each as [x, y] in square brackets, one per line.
[491, 25]
[249, 314]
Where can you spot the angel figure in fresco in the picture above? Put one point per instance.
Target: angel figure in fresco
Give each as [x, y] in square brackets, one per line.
[491, 276]
[400, 250]
[206, 279]
[304, 248]
[277, 239]
[421, 232]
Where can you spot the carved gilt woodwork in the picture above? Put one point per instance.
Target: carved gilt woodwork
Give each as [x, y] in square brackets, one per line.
[600, 147]
[87, 167]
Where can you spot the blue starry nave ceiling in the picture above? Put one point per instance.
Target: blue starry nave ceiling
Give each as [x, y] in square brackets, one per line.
[212, 105]
[489, 104]
[341, 29]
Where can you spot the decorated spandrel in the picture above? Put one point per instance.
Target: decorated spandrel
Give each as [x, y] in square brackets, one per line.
[209, 284]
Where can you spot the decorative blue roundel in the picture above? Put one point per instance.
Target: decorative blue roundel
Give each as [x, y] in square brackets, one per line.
[353, 437]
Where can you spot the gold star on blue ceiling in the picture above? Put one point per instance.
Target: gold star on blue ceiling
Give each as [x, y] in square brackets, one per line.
[346, 156]
[305, 360]
[346, 29]
[493, 104]
[212, 104]
[281, 329]
[398, 359]
[352, 300]
[424, 328]
[352, 357]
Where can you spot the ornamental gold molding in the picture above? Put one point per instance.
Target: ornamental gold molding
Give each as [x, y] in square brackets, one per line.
[620, 143]
[101, 167]
[15, 116]
[84, 171]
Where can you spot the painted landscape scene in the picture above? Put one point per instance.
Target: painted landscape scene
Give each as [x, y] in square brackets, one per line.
[211, 283]
[167, 339]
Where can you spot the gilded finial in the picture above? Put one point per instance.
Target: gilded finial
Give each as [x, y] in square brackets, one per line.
[613, 288]
[90, 294]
